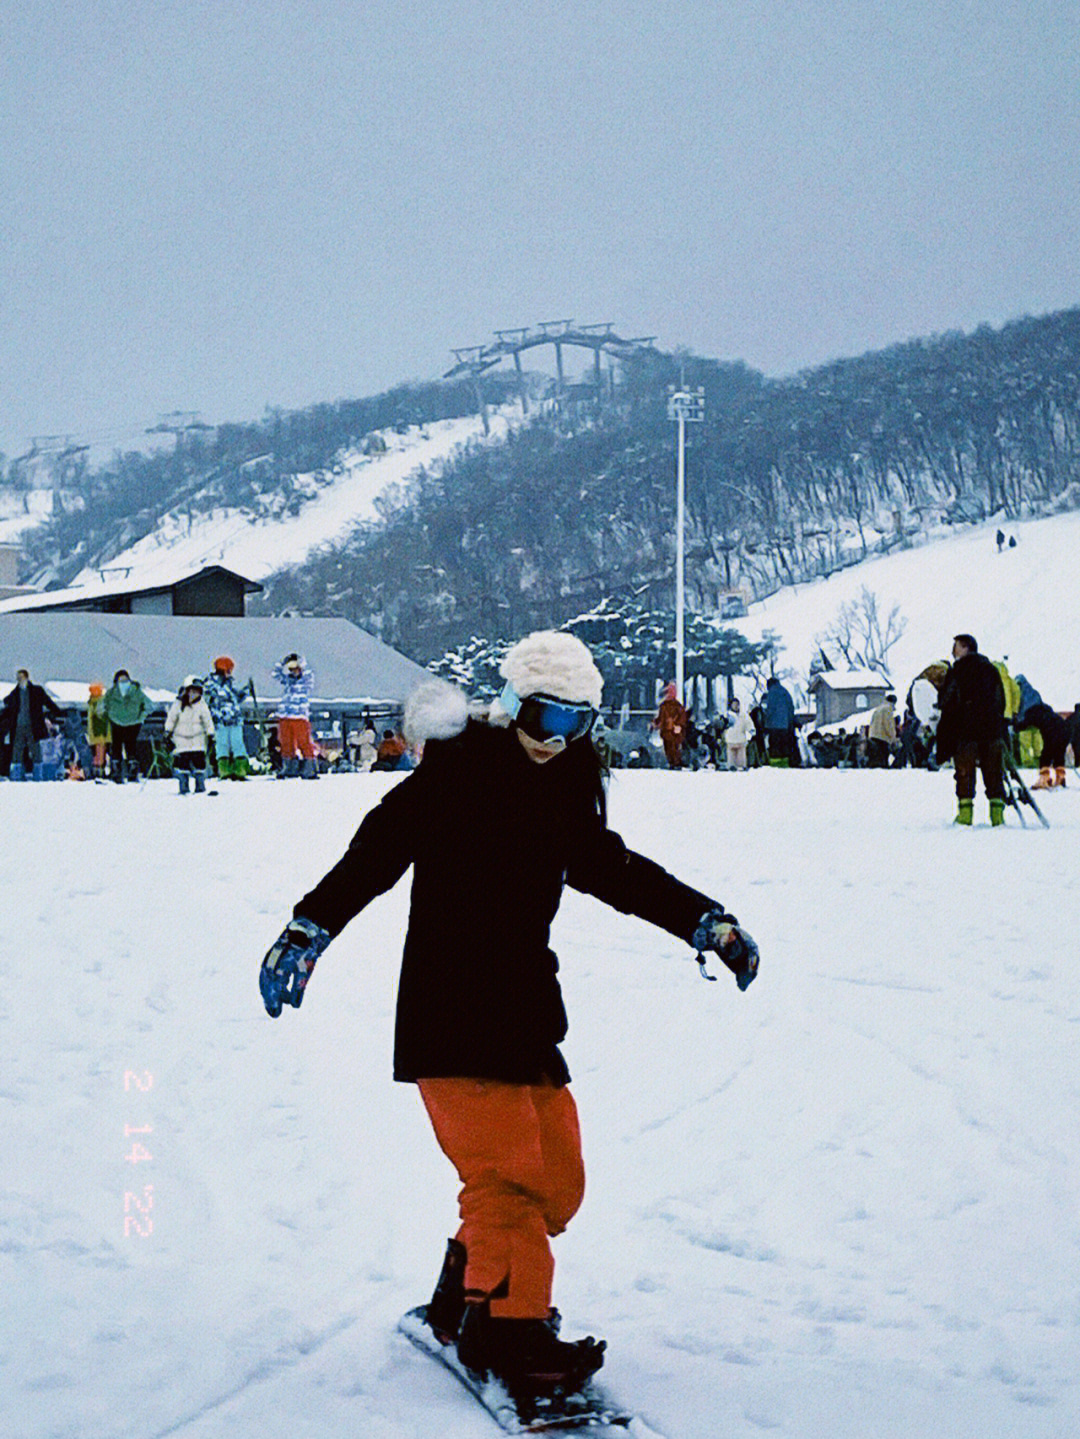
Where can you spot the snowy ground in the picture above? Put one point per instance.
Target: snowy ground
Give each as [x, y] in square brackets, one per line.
[841, 1206]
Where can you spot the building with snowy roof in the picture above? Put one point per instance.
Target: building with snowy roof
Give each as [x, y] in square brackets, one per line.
[163, 590]
[840, 693]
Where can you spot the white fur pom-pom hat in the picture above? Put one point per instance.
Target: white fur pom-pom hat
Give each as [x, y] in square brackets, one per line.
[553, 663]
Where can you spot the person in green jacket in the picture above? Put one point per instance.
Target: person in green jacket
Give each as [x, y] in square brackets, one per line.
[126, 706]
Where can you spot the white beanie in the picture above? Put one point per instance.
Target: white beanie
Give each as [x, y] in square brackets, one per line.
[551, 662]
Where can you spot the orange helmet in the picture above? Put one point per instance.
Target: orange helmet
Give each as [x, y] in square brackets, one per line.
[96, 691]
[223, 662]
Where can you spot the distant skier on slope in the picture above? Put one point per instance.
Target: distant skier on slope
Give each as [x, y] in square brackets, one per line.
[496, 819]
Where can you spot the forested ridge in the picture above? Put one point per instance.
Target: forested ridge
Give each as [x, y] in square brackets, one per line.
[786, 479]
[269, 467]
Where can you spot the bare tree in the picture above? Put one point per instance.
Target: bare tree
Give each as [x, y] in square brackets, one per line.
[862, 634]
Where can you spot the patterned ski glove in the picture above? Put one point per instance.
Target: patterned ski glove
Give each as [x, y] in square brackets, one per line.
[289, 964]
[721, 932]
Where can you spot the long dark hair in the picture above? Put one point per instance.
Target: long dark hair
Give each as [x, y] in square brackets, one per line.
[583, 767]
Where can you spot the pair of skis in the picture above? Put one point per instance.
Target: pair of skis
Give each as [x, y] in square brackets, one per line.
[1017, 793]
[587, 1408]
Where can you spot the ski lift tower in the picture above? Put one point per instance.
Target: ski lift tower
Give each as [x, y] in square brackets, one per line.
[684, 407]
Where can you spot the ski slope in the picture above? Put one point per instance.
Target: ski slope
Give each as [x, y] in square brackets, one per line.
[256, 547]
[845, 1205]
[1022, 604]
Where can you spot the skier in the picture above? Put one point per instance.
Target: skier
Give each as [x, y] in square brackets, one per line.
[497, 817]
[189, 725]
[971, 729]
[226, 705]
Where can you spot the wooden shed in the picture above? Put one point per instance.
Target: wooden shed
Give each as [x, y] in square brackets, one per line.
[840, 693]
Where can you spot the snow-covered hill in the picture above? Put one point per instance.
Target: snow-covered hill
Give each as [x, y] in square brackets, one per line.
[841, 1206]
[256, 547]
[1022, 605]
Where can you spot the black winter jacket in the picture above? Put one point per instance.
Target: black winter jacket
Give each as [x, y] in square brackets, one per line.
[492, 838]
[40, 704]
[972, 705]
[1054, 731]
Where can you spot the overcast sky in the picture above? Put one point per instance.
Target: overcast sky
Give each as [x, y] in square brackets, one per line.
[220, 205]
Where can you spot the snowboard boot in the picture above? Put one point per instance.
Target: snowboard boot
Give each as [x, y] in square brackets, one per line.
[446, 1309]
[290, 768]
[310, 770]
[526, 1355]
[182, 779]
[1059, 776]
[965, 811]
[200, 781]
[997, 812]
[240, 767]
[225, 766]
[1044, 781]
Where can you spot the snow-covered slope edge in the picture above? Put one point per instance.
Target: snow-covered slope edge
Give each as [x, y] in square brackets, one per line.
[1022, 604]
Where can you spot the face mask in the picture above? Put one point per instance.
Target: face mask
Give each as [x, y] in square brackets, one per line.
[123, 686]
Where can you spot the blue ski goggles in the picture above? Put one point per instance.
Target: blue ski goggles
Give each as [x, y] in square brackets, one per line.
[548, 720]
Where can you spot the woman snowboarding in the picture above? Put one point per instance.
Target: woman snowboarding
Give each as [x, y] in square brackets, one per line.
[499, 815]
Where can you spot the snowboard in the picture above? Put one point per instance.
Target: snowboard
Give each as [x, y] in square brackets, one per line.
[588, 1408]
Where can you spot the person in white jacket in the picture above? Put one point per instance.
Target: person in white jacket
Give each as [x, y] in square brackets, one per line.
[189, 725]
[737, 735]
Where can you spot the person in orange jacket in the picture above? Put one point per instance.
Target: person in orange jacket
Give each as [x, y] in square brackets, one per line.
[671, 721]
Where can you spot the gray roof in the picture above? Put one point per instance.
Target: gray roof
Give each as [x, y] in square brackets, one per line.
[159, 650]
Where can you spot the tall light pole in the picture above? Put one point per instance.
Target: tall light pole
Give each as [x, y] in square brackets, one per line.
[684, 407]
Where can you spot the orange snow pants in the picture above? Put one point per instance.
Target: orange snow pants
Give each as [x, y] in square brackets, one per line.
[517, 1151]
[294, 737]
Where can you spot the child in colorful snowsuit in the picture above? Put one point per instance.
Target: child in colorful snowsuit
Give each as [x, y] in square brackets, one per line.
[494, 821]
[226, 705]
[294, 717]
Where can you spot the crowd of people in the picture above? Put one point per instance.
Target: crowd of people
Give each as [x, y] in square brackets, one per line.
[202, 733]
[210, 726]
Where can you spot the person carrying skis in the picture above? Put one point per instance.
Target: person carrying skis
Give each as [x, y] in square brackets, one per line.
[226, 705]
[971, 730]
[498, 816]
